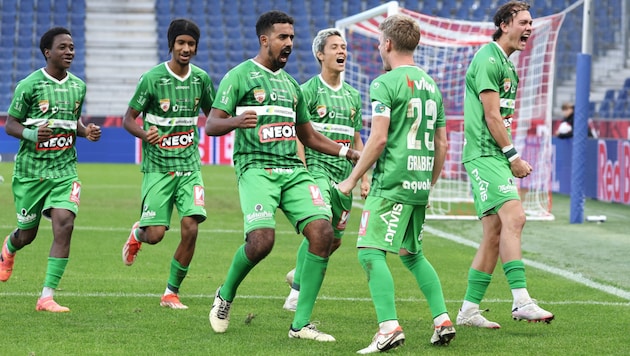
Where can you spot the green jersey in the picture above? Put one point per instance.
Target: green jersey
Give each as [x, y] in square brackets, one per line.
[490, 69]
[172, 103]
[336, 113]
[411, 100]
[40, 99]
[277, 99]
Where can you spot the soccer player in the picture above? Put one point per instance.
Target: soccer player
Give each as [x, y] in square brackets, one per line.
[265, 107]
[335, 111]
[492, 162]
[169, 97]
[45, 115]
[408, 144]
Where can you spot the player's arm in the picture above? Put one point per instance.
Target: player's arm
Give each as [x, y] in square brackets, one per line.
[14, 128]
[491, 102]
[441, 147]
[373, 148]
[315, 140]
[365, 180]
[129, 123]
[220, 122]
[300, 152]
[92, 132]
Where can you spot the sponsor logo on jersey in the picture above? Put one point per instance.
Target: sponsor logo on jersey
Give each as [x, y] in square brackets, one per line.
[343, 220]
[44, 105]
[165, 81]
[77, 105]
[353, 112]
[507, 84]
[321, 110]
[56, 143]
[24, 218]
[258, 214]
[199, 195]
[147, 214]
[281, 131]
[260, 95]
[507, 121]
[420, 163]
[316, 195]
[254, 75]
[421, 84]
[165, 104]
[417, 185]
[178, 140]
[365, 217]
[75, 194]
[507, 188]
[391, 219]
[482, 184]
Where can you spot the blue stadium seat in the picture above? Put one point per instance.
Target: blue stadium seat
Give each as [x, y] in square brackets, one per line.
[605, 109]
[609, 95]
[626, 84]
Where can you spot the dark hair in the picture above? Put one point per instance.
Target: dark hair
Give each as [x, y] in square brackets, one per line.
[180, 27]
[268, 19]
[505, 14]
[47, 39]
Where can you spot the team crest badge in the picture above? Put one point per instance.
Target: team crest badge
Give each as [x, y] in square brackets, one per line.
[353, 112]
[165, 104]
[321, 110]
[44, 105]
[507, 84]
[259, 95]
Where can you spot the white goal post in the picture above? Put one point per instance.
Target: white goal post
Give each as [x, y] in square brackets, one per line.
[446, 48]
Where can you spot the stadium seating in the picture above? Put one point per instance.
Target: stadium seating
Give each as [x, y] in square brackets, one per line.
[228, 34]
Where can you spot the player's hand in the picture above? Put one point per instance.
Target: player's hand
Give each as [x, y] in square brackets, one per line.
[153, 137]
[365, 188]
[345, 187]
[246, 120]
[44, 133]
[93, 132]
[353, 155]
[520, 168]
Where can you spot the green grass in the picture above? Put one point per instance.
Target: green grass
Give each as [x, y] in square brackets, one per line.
[115, 309]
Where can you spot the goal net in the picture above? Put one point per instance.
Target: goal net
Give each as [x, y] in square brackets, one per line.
[445, 50]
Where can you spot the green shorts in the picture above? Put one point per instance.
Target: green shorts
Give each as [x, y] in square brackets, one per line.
[162, 191]
[293, 190]
[389, 226]
[492, 183]
[35, 197]
[338, 203]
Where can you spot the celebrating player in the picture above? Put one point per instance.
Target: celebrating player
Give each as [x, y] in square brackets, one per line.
[264, 106]
[335, 111]
[45, 115]
[169, 96]
[492, 162]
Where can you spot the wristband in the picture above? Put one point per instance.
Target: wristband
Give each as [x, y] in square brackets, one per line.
[510, 153]
[30, 134]
[343, 151]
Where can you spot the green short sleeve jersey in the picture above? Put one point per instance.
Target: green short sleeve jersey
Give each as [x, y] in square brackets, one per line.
[413, 103]
[40, 99]
[172, 104]
[490, 69]
[336, 113]
[277, 100]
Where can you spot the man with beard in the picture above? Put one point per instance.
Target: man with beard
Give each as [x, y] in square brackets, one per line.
[265, 107]
[170, 96]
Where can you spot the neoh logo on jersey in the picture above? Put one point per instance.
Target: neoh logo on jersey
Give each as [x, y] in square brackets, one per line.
[56, 143]
[260, 95]
[165, 104]
[282, 131]
[75, 194]
[321, 110]
[44, 105]
[178, 140]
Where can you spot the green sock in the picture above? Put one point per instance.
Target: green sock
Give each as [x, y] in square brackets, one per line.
[240, 267]
[299, 264]
[10, 246]
[427, 280]
[178, 273]
[515, 273]
[380, 283]
[54, 271]
[314, 270]
[478, 283]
